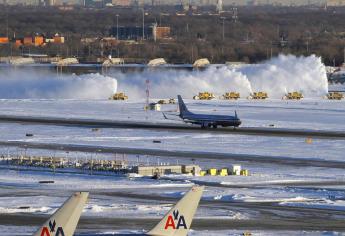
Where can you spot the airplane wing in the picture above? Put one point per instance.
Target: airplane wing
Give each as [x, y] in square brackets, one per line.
[180, 119]
[167, 118]
[178, 220]
[64, 221]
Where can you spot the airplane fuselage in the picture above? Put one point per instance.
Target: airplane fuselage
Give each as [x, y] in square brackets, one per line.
[211, 120]
[206, 120]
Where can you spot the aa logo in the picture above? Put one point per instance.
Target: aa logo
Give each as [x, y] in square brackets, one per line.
[175, 221]
[51, 230]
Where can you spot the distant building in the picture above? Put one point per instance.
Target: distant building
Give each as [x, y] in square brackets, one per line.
[109, 41]
[160, 32]
[4, 40]
[66, 2]
[94, 3]
[122, 3]
[153, 32]
[166, 170]
[59, 39]
[132, 32]
[334, 3]
[38, 41]
[27, 41]
[18, 43]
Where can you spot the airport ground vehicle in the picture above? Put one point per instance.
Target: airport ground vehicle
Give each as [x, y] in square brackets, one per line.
[204, 96]
[172, 101]
[293, 96]
[335, 96]
[162, 102]
[165, 101]
[119, 96]
[231, 96]
[258, 95]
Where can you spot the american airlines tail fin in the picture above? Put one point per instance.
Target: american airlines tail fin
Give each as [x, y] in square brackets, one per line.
[64, 221]
[182, 107]
[179, 219]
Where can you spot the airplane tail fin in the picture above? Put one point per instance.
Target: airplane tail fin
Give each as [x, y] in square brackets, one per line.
[64, 221]
[178, 220]
[182, 106]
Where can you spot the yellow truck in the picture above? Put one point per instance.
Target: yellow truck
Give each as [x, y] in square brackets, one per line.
[231, 96]
[335, 96]
[293, 96]
[204, 96]
[172, 101]
[119, 96]
[162, 102]
[165, 101]
[258, 95]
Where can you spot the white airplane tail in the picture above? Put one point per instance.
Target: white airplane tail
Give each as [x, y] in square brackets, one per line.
[179, 219]
[64, 221]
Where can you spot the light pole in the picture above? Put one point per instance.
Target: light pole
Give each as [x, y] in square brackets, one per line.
[143, 22]
[223, 35]
[117, 26]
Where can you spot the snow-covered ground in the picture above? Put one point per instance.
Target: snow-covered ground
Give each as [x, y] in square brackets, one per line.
[282, 185]
[255, 188]
[326, 149]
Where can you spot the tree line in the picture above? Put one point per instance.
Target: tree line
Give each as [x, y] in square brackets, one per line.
[257, 34]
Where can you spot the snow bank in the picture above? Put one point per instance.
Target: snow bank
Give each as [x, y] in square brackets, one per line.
[8, 210]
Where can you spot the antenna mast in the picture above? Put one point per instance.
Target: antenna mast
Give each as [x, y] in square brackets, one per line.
[147, 93]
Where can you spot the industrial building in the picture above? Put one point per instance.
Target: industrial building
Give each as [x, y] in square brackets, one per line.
[4, 40]
[132, 32]
[167, 169]
[160, 32]
[153, 32]
[36, 41]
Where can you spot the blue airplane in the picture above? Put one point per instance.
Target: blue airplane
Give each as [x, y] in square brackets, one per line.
[206, 120]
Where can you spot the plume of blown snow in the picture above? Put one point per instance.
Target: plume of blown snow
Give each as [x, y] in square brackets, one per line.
[169, 83]
[280, 75]
[29, 84]
[288, 73]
